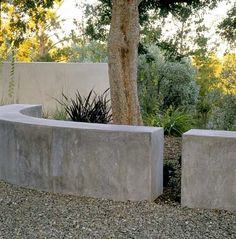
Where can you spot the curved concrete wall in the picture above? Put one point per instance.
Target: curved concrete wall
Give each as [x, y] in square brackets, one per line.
[105, 161]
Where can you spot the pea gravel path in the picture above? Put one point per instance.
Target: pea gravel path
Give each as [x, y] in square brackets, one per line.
[32, 214]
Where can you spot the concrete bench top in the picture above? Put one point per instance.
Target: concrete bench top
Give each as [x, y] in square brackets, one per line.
[24, 114]
[211, 133]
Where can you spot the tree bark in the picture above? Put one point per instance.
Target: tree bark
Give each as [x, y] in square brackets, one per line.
[123, 60]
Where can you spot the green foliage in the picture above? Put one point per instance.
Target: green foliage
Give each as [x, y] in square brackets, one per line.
[90, 52]
[189, 37]
[92, 108]
[165, 88]
[233, 127]
[60, 114]
[151, 30]
[162, 83]
[208, 71]
[224, 116]
[29, 26]
[98, 17]
[228, 74]
[174, 121]
[177, 85]
[148, 80]
[21, 11]
[216, 104]
[155, 19]
[227, 28]
[204, 108]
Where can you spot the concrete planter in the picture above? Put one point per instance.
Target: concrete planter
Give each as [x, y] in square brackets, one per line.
[103, 161]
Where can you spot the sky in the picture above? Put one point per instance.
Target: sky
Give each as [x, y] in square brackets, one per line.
[68, 11]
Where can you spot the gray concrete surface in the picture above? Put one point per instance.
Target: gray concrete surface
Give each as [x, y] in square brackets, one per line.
[42, 82]
[209, 169]
[103, 161]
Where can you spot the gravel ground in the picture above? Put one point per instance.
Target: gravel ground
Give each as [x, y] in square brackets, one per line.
[172, 147]
[32, 214]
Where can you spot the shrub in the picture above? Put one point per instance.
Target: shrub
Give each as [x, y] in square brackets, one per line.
[60, 114]
[174, 121]
[162, 83]
[204, 107]
[92, 108]
[224, 115]
[148, 80]
[177, 85]
[93, 51]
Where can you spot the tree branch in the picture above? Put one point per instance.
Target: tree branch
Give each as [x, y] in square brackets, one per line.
[139, 1]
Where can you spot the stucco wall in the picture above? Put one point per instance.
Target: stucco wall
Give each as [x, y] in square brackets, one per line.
[40, 83]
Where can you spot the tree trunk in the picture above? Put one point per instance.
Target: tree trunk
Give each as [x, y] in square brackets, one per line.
[123, 57]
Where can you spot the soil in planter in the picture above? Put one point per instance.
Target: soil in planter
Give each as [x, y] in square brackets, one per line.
[172, 171]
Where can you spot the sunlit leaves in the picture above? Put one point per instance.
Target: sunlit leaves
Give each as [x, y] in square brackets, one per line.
[27, 26]
[228, 74]
[209, 68]
[18, 13]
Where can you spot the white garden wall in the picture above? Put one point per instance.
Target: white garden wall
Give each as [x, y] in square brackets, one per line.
[40, 83]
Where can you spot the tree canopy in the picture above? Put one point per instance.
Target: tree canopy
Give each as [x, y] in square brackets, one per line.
[99, 15]
[227, 28]
[19, 11]
[28, 27]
